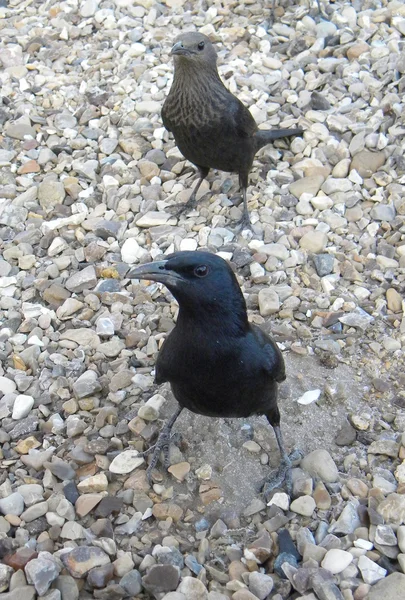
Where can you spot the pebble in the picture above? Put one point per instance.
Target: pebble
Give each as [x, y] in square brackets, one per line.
[126, 461]
[22, 406]
[304, 505]
[319, 463]
[370, 571]
[336, 560]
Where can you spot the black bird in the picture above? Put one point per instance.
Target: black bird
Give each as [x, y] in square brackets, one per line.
[211, 127]
[217, 363]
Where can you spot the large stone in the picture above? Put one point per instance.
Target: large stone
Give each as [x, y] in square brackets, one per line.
[83, 558]
[161, 578]
[42, 571]
[366, 163]
[389, 588]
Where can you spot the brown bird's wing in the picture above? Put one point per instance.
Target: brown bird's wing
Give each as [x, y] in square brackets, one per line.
[243, 122]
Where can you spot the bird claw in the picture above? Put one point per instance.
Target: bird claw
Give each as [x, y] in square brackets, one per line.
[179, 209]
[162, 445]
[243, 223]
[283, 474]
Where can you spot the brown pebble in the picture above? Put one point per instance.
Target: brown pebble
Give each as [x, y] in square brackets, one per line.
[163, 511]
[357, 487]
[30, 166]
[180, 470]
[235, 570]
[19, 559]
[322, 497]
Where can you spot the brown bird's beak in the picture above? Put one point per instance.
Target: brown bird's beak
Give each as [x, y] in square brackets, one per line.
[179, 50]
[155, 271]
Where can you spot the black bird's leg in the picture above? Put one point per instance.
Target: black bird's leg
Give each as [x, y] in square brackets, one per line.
[192, 201]
[162, 445]
[284, 471]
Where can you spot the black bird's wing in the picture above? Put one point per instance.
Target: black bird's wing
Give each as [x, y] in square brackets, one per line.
[273, 358]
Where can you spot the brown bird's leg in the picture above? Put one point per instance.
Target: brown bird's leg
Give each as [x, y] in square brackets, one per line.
[192, 201]
[284, 471]
[244, 222]
[162, 445]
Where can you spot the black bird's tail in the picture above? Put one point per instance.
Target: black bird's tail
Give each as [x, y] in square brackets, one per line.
[266, 136]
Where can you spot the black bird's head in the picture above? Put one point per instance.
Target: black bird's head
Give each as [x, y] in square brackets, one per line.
[195, 49]
[203, 284]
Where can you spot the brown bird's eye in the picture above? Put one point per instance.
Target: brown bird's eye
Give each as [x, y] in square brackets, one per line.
[201, 46]
[201, 271]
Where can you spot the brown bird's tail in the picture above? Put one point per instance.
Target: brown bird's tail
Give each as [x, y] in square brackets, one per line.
[266, 136]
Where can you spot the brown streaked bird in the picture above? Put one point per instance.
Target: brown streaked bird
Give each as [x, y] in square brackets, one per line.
[211, 127]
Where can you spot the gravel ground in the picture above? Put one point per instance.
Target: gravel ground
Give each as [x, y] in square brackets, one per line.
[88, 176]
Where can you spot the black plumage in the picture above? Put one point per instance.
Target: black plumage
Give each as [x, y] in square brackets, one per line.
[211, 127]
[217, 363]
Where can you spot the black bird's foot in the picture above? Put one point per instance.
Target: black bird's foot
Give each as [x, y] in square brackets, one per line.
[162, 445]
[283, 474]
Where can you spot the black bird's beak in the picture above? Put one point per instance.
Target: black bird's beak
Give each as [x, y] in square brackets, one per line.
[179, 50]
[155, 271]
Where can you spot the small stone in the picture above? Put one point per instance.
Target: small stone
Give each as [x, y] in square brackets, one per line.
[82, 280]
[72, 531]
[322, 497]
[123, 564]
[366, 163]
[12, 504]
[126, 461]
[100, 576]
[161, 578]
[385, 535]
[394, 300]
[348, 519]
[390, 588]
[323, 264]
[280, 499]
[336, 561]
[370, 571]
[132, 582]
[180, 470]
[314, 241]
[260, 585]
[304, 505]
[5, 576]
[34, 512]
[269, 302]
[162, 511]
[387, 447]
[319, 463]
[96, 483]
[7, 386]
[85, 503]
[193, 588]
[22, 406]
[51, 193]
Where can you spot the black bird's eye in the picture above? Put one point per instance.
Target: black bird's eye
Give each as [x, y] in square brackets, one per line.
[201, 46]
[202, 270]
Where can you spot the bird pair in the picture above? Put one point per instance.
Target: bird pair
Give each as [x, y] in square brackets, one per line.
[211, 127]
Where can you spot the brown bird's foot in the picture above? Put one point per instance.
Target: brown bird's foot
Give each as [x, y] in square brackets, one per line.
[243, 223]
[163, 445]
[283, 474]
[179, 209]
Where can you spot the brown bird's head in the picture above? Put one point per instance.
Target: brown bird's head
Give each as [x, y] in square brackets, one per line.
[194, 48]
